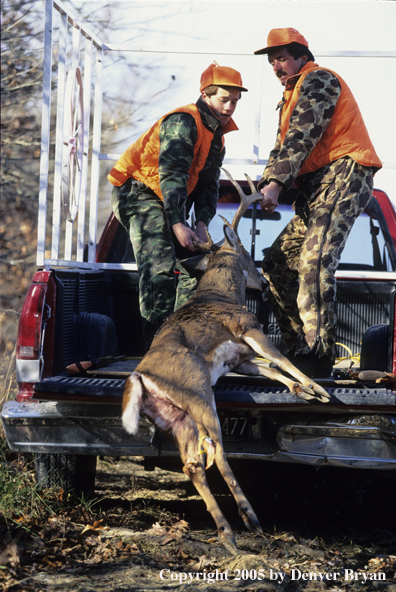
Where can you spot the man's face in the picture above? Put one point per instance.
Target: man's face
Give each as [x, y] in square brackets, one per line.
[223, 103]
[284, 65]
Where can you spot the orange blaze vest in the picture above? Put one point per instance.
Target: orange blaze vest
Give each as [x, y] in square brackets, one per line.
[141, 159]
[346, 134]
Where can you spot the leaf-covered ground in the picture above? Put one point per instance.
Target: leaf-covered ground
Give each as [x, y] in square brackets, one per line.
[323, 530]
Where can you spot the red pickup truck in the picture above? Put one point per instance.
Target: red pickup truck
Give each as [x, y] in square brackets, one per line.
[83, 307]
[67, 417]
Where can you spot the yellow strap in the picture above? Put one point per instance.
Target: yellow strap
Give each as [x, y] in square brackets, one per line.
[201, 450]
[352, 357]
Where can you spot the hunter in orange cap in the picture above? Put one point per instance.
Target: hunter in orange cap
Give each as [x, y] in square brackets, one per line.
[171, 169]
[324, 148]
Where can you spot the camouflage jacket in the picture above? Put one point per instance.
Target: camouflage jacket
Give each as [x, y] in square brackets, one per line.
[178, 135]
[312, 114]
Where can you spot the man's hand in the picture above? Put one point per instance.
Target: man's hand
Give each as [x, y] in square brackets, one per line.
[270, 197]
[185, 235]
[200, 231]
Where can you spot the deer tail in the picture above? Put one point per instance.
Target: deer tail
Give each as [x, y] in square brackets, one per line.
[132, 403]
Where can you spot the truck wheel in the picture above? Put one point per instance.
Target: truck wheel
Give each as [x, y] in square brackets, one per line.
[71, 471]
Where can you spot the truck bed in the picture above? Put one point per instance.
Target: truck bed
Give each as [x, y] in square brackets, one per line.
[97, 314]
[106, 384]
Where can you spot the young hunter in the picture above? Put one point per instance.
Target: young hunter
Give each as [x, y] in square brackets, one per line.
[171, 168]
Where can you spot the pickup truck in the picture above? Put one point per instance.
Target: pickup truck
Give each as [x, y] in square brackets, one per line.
[70, 415]
[80, 336]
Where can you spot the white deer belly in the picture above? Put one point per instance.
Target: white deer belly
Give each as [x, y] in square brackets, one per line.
[228, 355]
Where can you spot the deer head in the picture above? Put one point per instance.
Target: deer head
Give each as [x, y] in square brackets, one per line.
[254, 279]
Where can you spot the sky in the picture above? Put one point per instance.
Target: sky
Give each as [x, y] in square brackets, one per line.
[181, 38]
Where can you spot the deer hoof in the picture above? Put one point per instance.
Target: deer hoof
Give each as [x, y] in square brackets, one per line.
[313, 391]
[227, 539]
[305, 392]
[251, 521]
[321, 394]
[318, 393]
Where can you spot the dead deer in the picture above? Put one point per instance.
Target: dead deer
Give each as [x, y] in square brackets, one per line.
[206, 338]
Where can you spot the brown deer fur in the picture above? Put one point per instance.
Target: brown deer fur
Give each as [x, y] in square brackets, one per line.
[206, 338]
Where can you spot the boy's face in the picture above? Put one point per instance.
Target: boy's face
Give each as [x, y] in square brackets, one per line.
[223, 103]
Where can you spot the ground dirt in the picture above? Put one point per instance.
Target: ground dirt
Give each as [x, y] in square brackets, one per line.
[149, 530]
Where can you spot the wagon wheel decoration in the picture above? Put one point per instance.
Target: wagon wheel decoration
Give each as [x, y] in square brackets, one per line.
[73, 144]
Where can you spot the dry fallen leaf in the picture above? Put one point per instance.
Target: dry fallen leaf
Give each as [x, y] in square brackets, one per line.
[202, 562]
[169, 533]
[95, 528]
[48, 561]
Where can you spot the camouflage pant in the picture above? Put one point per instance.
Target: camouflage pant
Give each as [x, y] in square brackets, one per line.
[161, 291]
[301, 264]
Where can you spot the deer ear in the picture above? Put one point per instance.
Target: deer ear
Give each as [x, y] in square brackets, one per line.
[231, 236]
[196, 263]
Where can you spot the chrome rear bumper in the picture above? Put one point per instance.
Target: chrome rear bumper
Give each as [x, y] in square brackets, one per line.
[364, 441]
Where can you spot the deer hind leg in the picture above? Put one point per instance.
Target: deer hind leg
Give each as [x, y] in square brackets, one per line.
[188, 441]
[211, 423]
[245, 509]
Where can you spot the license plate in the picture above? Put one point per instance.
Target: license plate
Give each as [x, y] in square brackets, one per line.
[235, 424]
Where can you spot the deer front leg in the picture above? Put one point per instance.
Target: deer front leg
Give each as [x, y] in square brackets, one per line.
[262, 345]
[252, 369]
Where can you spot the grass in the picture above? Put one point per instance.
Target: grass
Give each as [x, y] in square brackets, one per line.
[8, 332]
[19, 493]
[21, 496]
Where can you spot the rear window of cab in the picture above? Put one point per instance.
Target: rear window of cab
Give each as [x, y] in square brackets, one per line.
[366, 247]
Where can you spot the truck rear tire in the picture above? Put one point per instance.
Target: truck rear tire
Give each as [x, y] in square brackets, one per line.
[75, 473]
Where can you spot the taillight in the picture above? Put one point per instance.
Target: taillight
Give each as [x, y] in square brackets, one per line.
[29, 341]
[29, 331]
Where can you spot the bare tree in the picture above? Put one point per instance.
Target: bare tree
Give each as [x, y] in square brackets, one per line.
[21, 84]
[22, 39]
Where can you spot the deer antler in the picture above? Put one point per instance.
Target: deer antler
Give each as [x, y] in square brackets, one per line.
[246, 200]
[208, 246]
